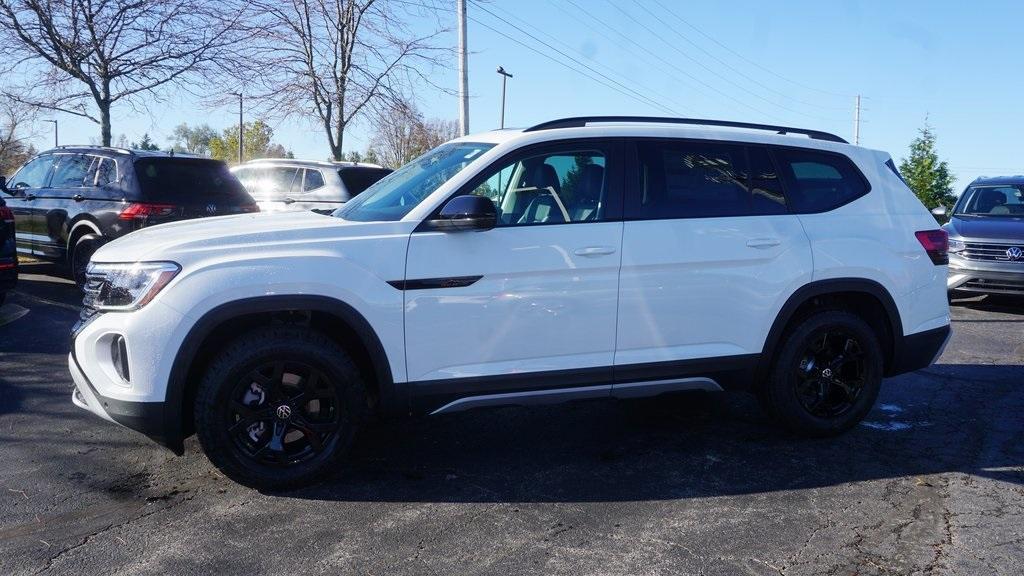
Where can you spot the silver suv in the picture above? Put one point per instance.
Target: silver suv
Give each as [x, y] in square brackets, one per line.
[282, 184]
[986, 237]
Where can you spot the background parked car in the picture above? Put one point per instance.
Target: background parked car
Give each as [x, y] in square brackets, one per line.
[280, 184]
[986, 237]
[72, 199]
[8, 253]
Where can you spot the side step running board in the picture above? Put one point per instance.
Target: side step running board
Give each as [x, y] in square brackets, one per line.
[558, 395]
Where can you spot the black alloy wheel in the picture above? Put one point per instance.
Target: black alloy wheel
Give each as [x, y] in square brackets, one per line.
[830, 375]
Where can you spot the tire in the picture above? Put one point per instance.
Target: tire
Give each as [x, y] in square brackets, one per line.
[239, 414]
[81, 253]
[820, 387]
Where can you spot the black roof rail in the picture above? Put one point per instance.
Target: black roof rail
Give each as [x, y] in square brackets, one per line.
[580, 121]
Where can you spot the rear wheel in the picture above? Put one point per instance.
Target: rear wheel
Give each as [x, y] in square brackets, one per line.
[826, 376]
[279, 407]
[81, 253]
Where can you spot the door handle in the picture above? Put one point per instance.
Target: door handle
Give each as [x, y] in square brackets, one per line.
[288, 200]
[763, 242]
[78, 197]
[594, 251]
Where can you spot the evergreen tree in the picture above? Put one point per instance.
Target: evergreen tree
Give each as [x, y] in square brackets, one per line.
[926, 175]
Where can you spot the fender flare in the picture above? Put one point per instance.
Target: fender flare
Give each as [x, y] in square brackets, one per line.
[174, 397]
[822, 288]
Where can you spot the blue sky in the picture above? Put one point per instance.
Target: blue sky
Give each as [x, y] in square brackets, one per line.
[795, 62]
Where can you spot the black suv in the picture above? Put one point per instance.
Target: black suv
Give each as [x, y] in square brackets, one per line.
[8, 255]
[72, 199]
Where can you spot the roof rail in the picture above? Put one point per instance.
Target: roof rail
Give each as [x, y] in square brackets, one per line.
[580, 121]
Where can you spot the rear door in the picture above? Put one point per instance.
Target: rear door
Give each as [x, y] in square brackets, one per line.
[709, 254]
[189, 188]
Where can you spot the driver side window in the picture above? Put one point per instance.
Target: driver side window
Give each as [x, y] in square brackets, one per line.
[552, 188]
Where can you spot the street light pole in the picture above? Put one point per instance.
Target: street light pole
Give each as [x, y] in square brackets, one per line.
[504, 77]
[56, 141]
[460, 7]
[241, 133]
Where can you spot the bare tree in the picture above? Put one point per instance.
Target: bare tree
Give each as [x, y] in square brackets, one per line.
[84, 56]
[336, 60]
[15, 133]
[401, 134]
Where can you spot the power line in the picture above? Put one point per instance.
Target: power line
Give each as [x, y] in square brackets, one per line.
[672, 65]
[578, 62]
[710, 70]
[745, 59]
[732, 68]
[605, 66]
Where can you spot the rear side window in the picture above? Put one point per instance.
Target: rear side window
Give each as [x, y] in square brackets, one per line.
[358, 179]
[102, 171]
[188, 180]
[705, 180]
[819, 181]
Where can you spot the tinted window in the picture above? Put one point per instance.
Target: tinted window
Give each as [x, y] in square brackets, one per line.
[313, 180]
[71, 171]
[106, 171]
[818, 181]
[34, 174]
[358, 179]
[690, 180]
[992, 201]
[552, 188]
[765, 185]
[187, 180]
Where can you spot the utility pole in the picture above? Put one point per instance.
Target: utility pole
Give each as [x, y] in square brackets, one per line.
[504, 77]
[463, 71]
[56, 141]
[856, 123]
[241, 130]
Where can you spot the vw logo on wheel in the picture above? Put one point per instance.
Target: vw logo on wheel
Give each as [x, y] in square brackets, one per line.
[211, 208]
[1015, 253]
[284, 411]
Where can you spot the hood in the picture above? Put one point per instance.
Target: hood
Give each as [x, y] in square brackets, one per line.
[1006, 228]
[176, 241]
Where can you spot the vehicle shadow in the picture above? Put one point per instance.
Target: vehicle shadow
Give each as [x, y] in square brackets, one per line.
[950, 418]
[1004, 303]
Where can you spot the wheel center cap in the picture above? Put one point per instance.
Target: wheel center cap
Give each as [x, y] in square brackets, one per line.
[284, 412]
[827, 373]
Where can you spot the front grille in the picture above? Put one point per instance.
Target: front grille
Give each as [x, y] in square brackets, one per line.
[93, 285]
[989, 252]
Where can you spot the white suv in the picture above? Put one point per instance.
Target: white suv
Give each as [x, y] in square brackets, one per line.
[580, 258]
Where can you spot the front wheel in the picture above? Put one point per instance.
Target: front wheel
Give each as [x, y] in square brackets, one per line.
[279, 407]
[81, 253]
[826, 376]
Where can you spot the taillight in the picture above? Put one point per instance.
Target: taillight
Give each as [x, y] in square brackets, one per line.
[936, 244]
[139, 210]
[6, 215]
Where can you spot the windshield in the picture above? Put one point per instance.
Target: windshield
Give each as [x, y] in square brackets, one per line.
[393, 197]
[1004, 200]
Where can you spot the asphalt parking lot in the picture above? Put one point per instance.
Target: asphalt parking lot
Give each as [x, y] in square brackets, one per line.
[931, 483]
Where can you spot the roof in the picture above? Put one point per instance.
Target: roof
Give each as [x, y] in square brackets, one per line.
[632, 126]
[996, 180]
[86, 148]
[321, 163]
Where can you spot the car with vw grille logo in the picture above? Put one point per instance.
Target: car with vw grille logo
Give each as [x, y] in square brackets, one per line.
[581, 258]
[71, 200]
[986, 238]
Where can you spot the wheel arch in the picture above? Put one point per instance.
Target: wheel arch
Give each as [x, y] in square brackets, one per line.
[867, 297]
[83, 226]
[335, 318]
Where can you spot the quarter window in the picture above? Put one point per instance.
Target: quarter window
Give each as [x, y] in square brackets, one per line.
[312, 180]
[553, 188]
[818, 181]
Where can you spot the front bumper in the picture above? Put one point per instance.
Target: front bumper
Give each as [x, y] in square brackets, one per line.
[985, 275]
[145, 417]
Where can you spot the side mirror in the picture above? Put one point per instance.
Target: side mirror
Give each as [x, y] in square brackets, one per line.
[3, 185]
[939, 211]
[466, 213]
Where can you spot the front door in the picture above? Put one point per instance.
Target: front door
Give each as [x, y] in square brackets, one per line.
[26, 185]
[530, 304]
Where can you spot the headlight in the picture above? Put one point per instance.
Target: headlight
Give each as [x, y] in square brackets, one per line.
[956, 245]
[126, 286]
